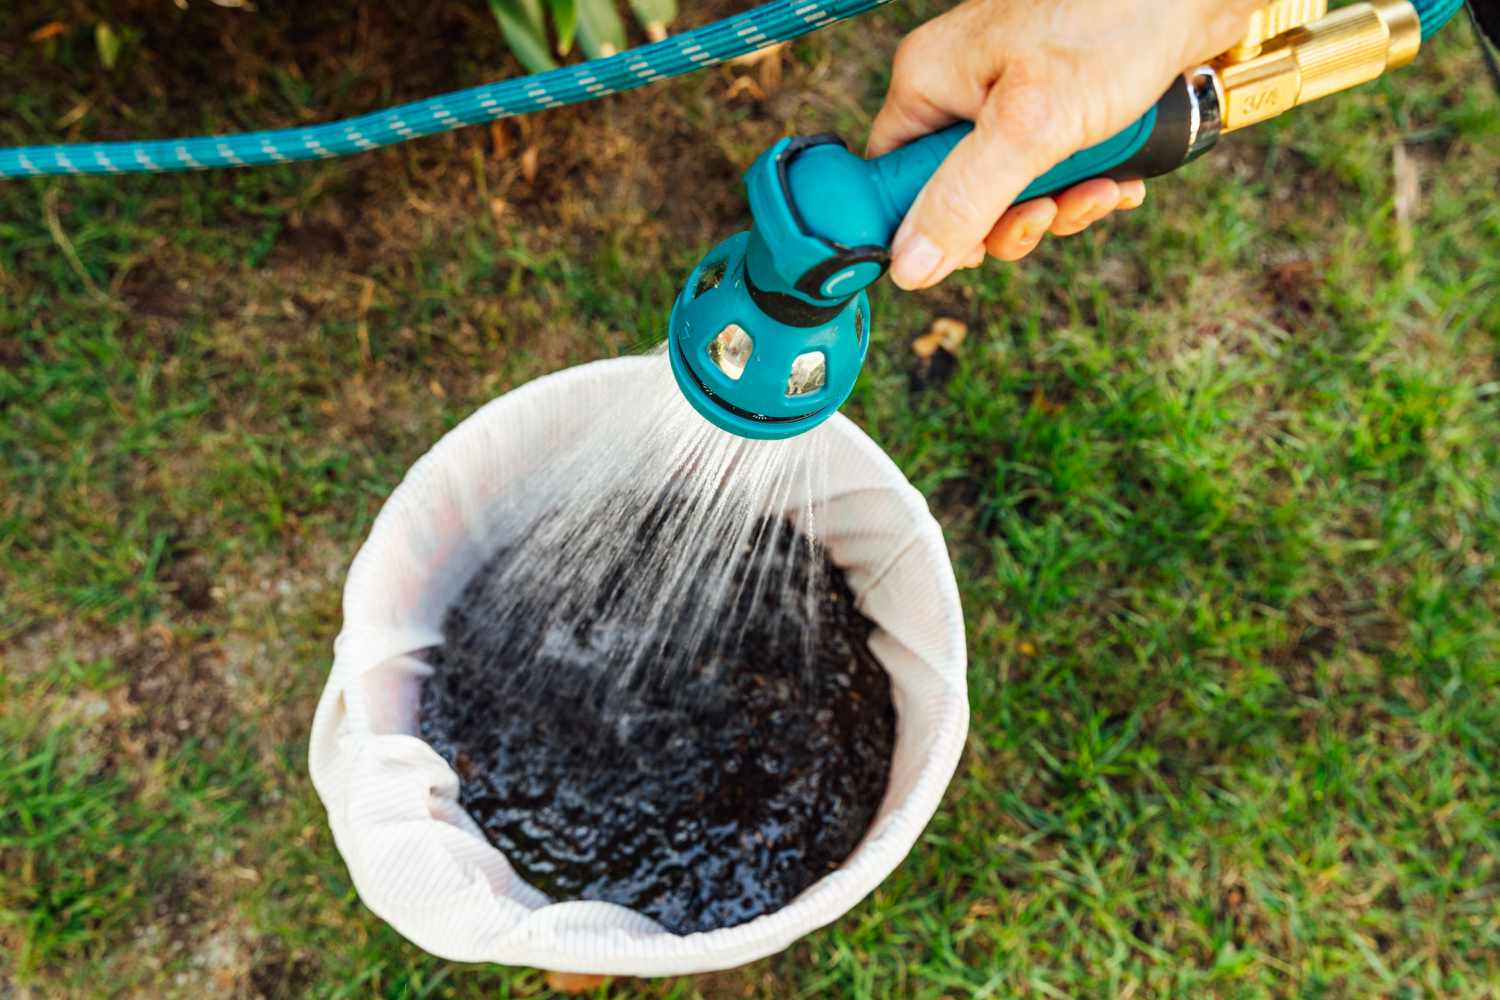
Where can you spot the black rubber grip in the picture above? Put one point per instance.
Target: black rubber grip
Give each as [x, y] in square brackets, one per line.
[1177, 137]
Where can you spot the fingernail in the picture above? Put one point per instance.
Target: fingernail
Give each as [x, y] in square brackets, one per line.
[915, 261]
[1030, 235]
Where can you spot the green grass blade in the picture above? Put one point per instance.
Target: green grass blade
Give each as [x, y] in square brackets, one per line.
[536, 15]
[521, 23]
[108, 44]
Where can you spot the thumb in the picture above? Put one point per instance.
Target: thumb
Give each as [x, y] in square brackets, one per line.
[959, 205]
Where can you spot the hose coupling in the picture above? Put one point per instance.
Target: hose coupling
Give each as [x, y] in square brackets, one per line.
[1296, 51]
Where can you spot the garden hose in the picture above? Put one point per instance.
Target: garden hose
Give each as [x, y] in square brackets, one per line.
[680, 54]
[709, 45]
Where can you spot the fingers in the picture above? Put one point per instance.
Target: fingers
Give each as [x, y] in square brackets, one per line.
[1021, 228]
[1085, 204]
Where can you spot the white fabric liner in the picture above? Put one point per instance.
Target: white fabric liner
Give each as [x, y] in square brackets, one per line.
[419, 861]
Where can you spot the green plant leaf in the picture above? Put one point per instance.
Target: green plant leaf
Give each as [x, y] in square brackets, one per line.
[536, 15]
[655, 15]
[525, 31]
[565, 22]
[108, 44]
[601, 32]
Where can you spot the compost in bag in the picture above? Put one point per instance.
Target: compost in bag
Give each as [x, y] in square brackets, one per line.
[702, 795]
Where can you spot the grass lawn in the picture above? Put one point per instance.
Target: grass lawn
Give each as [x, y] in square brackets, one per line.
[1221, 482]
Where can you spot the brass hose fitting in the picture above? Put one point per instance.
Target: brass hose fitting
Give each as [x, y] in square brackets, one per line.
[1296, 51]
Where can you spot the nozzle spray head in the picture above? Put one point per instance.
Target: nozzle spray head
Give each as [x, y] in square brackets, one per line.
[768, 335]
[758, 368]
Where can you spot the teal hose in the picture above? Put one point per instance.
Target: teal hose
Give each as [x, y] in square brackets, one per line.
[706, 46]
[1435, 13]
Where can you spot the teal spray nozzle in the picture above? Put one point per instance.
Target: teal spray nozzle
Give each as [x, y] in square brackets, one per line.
[769, 333]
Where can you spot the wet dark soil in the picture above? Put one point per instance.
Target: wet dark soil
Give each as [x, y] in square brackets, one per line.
[701, 797]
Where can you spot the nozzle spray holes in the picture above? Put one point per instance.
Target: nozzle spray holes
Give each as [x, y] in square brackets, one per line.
[809, 374]
[731, 349]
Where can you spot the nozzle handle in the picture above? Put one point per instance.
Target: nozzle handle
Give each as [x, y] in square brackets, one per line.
[1171, 133]
[825, 217]
[851, 202]
[905, 171]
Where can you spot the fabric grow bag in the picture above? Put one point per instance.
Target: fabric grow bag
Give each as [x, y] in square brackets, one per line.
[418, 860]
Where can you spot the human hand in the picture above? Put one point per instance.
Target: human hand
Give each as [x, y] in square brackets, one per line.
[1040, 80]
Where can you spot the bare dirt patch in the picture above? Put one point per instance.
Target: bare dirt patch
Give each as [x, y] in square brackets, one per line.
[177, 691]
[278, 972]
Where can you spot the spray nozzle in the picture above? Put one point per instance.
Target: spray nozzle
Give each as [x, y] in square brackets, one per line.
[769, 333]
